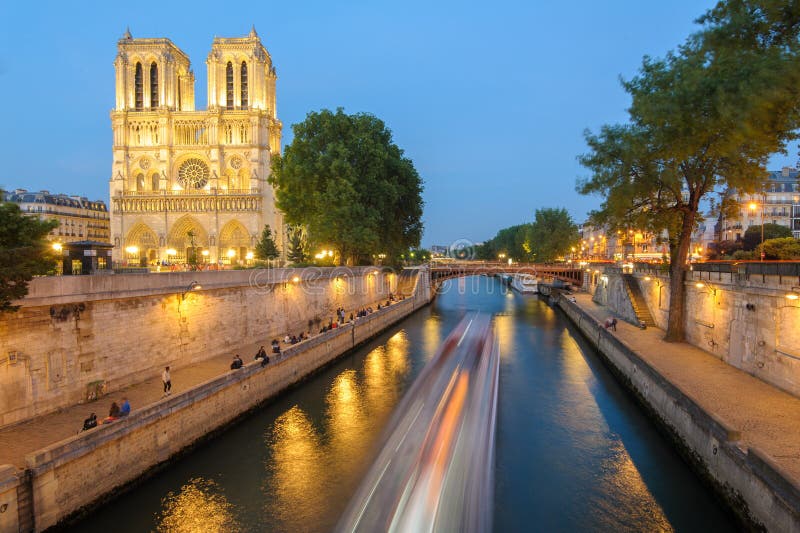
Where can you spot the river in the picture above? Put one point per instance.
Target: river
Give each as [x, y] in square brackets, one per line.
[574, 451]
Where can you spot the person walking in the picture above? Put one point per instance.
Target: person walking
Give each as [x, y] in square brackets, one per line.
[165, 378]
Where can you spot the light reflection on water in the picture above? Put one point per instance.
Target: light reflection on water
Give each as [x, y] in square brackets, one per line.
[199, 507]
[573, 451]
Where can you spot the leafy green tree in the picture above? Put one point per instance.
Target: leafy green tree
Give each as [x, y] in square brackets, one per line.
[752, 235]
[296, 246]
[782, 248]
[348, 183]
[24, 252]
[704, 118]
[552, 234]
[266, 248]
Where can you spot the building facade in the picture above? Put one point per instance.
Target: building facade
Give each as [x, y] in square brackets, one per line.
[79, 219]
[189, 183]
[778, 203]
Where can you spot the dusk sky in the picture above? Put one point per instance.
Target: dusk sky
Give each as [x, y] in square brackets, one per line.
[489, 100]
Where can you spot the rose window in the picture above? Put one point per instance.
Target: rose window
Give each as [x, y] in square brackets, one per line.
[144, 164]
[236, 162]
[193, 174]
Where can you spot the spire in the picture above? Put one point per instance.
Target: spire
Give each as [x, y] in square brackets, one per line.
[253, 31]
[127, 34]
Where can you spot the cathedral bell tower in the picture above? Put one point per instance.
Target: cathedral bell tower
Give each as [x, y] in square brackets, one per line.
[152, 74]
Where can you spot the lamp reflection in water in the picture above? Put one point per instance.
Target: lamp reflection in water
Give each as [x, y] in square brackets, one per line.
[298, 470]
[384, 371]
[347, 422]
[199, 507]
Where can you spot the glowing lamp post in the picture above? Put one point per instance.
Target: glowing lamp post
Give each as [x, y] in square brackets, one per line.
[753, 206]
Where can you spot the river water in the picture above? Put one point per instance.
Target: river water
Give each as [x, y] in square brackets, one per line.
[574, 452]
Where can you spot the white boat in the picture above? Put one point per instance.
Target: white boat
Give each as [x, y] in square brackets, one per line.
[525, 283]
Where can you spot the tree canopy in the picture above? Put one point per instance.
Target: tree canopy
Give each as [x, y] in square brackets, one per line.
[752, 235]
[24, 252]
[704, 118]
[346, 181]
[552, 234]
[782, 248]
[549, 237]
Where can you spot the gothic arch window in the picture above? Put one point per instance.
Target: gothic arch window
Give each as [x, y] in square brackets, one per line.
[154, 182]
[140, 182]
[229, 86]
[153, 84]
[138, 89]
[244, 84]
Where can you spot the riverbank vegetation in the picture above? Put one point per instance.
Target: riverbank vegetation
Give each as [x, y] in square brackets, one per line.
[349, 187]
[704, 118]
[551, 236]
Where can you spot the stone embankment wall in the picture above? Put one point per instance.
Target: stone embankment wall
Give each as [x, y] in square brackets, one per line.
[748, 323]
[75, 332]
[72, 474]
[747, 478]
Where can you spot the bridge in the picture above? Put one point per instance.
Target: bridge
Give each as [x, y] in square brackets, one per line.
[564, 272]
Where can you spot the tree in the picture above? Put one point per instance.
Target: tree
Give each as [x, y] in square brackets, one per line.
[266, 248]
[512, 242]
[350, 186]
[552, 234]
[752, 235]
[296, 246]
[782, 248]
[705, 117]
[24, 253]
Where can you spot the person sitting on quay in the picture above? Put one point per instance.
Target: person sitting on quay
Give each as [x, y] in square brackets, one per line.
[113, 413]
[334, 325]
[294, 339]
[262, 354]
[351, 317]
[125, 410]
[237, 362]
[276, 346]
[90, 422]
[287, 339]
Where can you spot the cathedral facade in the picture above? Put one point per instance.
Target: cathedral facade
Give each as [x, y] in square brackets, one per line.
[192, 184]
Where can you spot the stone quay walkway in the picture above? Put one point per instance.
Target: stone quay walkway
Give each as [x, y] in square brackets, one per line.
[767, 417]
[18, 440]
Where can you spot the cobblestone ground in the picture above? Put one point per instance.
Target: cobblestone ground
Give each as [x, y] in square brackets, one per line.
[767, 417]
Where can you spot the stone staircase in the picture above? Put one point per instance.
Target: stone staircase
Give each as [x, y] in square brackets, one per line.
[638, 302]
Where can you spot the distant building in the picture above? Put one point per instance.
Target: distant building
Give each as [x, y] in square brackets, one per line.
[599, 243]
[778, 203]
[438, 251]
[79, 218]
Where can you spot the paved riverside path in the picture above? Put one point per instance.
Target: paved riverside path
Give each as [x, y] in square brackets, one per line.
[767, 417]
[18, 440]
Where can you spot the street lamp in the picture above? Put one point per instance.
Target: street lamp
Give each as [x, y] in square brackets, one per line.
[753, 207]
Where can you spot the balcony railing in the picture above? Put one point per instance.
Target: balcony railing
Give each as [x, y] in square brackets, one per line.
[193, 192]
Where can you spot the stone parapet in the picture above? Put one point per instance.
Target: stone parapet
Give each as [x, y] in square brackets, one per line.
[77, 338]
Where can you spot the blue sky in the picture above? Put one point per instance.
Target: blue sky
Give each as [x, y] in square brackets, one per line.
[488, 99]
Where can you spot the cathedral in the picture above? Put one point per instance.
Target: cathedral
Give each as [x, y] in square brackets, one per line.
[192, 184]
